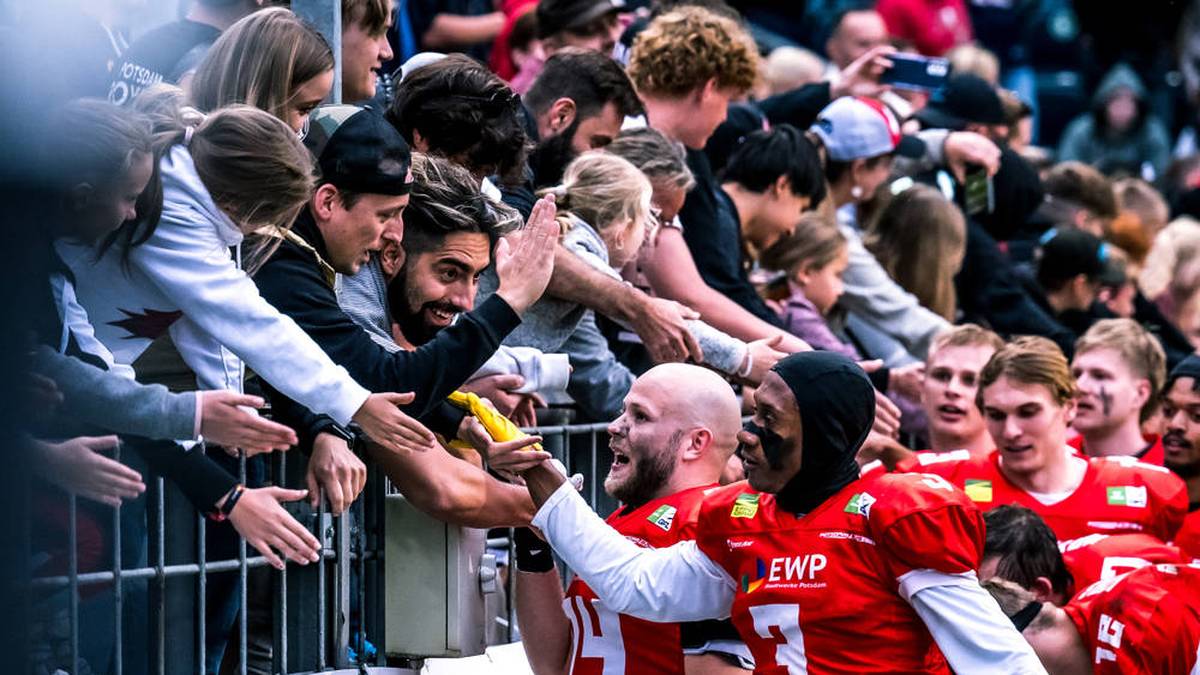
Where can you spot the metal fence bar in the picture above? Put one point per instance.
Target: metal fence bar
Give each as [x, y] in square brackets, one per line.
[243, 611]
[73, 573]
[321, 580]
[355, 539]
[160, 560]
[201, 590]
[118, 591]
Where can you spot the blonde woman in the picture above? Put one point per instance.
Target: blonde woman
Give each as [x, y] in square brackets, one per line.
[271, 60]
[920, 238]
[221, 176]
[604, 207]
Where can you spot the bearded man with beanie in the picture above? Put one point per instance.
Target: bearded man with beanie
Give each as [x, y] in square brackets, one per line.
[811, 561]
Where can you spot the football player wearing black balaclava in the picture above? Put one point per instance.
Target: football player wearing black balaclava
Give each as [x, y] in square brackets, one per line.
[813, 411]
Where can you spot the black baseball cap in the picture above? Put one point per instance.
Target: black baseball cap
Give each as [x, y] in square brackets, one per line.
[556, 16]
[357, 149]
[962, 100]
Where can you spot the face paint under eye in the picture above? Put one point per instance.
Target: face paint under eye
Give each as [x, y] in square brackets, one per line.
[770, 442]
[1106, 400]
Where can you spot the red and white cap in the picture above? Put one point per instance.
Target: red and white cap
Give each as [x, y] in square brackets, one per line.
[856, 127]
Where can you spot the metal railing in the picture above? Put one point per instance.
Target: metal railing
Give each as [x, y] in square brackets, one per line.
[163, 598]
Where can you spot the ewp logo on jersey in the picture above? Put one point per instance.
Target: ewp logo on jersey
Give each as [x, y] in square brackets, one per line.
[1127, 495]
[755, 577]
[662, 517]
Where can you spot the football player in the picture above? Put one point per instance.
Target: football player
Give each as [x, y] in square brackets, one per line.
[1119, 369]
[821, 571]
[1181, 444]
[1027, 396]
[1020, 548]
[1145, 622]
[948, 398]
[669, 448]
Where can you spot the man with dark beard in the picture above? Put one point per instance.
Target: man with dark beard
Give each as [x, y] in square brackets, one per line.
[578, 103]
[669, 448]
[821, 571]
[1181, 444]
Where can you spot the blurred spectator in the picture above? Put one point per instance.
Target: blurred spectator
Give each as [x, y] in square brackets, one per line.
[271, 60]
[517, 41]
[1080, 196]
[171, 52]
[919, 238]
[456, 108]
[570, 24]
[855, 32]
[966, 103]
[1069, 270]
[932, 26]
[860, 137]
[365, 46]
[1143, 201]
[1019, 119]
[1120, 135]
[789, 68]
[466, 26]
[975, 60]
[1171, 276]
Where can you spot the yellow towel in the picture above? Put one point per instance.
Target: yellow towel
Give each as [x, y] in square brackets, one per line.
[499, 427]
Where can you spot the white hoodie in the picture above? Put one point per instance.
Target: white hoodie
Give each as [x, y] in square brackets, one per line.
[184, 279]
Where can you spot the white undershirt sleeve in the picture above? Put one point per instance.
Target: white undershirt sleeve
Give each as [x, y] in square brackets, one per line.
[968, 625]
[673, 584]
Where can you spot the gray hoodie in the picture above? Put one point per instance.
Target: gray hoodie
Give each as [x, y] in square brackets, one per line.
[1143, 150]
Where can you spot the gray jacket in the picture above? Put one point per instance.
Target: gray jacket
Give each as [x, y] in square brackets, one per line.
[95, 399]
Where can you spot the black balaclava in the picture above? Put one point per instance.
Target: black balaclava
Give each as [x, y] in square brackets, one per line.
[837, 408]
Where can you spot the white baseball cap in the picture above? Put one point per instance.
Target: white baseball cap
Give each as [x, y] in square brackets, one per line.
[855, 127]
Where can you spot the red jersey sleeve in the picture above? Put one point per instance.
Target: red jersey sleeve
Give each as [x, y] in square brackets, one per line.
[718, 514]
[1168, 499]
[924, 522]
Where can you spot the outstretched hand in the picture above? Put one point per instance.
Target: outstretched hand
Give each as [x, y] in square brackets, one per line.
[224, 421]
[525, 258]
[385, 424]
[78, 467]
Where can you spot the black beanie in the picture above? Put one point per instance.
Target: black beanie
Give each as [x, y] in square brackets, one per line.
[837, 408]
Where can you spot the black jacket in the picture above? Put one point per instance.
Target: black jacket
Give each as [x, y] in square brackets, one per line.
[293, 281]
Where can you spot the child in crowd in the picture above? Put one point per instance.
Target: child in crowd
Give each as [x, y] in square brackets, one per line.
[813, 257]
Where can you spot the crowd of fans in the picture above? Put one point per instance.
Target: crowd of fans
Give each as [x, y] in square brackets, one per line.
[963, 319]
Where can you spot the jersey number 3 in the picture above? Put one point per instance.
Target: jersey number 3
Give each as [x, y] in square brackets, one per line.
[781, 623]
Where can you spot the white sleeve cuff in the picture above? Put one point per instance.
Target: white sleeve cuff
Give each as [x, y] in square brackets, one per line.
[918, 580]
[541, 518]
[199, 416]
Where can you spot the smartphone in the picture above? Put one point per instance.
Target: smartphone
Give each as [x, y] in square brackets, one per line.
[979, 196]
[913, 71]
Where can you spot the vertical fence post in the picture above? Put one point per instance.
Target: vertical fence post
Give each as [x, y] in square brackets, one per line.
[73, 571]
[341, 597]
[160, 574]
[242, 568]
[321, 580]
[118, 593]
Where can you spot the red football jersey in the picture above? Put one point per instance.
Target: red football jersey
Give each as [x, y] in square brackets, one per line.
[606, 643]
[1188, 537]
[1146, 622]
[1151, 453]
[820, 593]
[1097, 557]
[1117, 494]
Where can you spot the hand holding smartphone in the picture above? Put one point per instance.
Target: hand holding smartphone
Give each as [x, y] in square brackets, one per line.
[913, 71]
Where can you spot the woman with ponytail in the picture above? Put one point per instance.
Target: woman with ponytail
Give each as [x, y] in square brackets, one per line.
[604, 209]
[221, 176]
